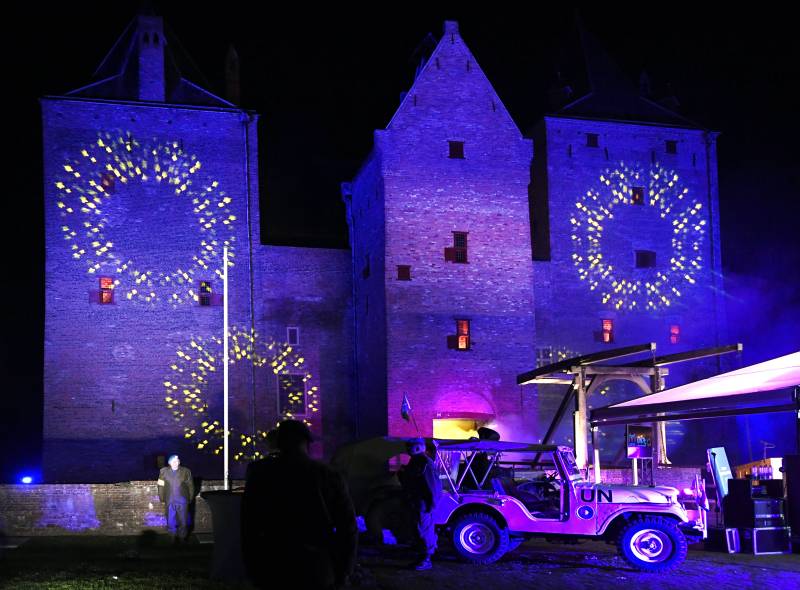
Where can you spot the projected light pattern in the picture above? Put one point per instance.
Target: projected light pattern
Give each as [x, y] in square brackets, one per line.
[196, 375]
[117, 163]
[663, 192]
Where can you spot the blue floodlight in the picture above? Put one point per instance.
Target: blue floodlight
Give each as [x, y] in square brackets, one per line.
[26, 479]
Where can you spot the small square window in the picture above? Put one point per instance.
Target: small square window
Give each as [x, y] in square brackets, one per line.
[458, 252]
[592, 140]
[365, 271]
[606, 333]
[637, 195]
[544, 356]
[462, 335]
[645, 259]
[671, 146]
[293, 336]
[456, 150]
[106, 293]
[403, 272]
[205, 293]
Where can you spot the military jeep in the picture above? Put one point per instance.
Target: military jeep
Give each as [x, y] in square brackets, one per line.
[498, 494]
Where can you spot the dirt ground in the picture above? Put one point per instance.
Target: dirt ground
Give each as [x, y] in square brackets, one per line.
[541, 565]
[127, 563]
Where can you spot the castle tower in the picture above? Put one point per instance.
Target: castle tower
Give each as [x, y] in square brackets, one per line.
[147, 176]
[625, 211]
[443, 286]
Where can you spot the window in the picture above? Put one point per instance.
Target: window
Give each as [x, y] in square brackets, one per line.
[106, 295]
[674, 333]
[544, 356]
[365, 270]
[637, 195]
[403, 272]
[108, 181]
[461, 339]
[292, 395]
[458, 253]
[592, 140]
[456, 150]
[645, 259]
[606, 333]
[671, 146]
[293, 336]
[205, 293]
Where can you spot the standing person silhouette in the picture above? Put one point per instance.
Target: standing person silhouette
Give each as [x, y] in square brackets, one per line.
[297, 517]
[176, 491]
[422, 489]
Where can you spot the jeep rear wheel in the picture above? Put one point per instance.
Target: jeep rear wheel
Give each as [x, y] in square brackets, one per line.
[479, 538]
[653, 544]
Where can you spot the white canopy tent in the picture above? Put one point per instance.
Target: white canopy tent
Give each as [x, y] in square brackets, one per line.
[770, 386]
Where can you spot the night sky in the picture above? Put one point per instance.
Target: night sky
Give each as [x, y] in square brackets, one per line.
[323, 82]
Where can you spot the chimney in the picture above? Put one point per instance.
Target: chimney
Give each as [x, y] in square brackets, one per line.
[232, 85]
[451, 27]
[151, 42]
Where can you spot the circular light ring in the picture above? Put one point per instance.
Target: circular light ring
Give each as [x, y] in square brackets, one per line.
[187, 384]
[663, 191]
[86, 186]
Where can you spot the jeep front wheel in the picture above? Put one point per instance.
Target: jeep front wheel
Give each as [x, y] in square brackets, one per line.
[479, 538]
[653, 544]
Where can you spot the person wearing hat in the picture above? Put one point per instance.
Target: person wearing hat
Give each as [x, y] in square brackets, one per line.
[422, 489]
[176, 491]
[297, 516]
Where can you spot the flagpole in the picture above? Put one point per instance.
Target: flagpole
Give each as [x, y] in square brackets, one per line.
[225, 366]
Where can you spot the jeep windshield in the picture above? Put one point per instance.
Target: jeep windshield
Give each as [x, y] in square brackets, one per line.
[571, 467]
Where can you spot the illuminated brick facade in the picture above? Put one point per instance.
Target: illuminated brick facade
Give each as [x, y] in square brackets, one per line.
[450, 160]
[475, 253]
[144, 184]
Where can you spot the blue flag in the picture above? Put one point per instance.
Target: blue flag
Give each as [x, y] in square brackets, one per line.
[405, 408]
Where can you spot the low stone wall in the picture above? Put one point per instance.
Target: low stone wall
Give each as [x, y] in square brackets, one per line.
[133, 507]
[91, 509]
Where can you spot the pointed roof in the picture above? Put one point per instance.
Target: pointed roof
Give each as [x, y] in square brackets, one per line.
[117, 76]
[471, 85]
[613, 95]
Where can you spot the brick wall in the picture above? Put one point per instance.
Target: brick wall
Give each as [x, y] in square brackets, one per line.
[365, 200]
[91, 509]
[568, 311]
[430, 195]
[310, 289]
[105, 417]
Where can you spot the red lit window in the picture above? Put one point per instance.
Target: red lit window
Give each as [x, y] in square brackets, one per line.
[205, 292]
[461, 339]
[637, 195]
[108, 181]
[458, 252]
[674, 333]
[106, 295]
[456, 149]
[403, 272]
[608, 331]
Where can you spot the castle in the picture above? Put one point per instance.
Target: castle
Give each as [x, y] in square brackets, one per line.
[475, 254]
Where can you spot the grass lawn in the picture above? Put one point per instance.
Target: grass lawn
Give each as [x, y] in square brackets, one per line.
[145, 562]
